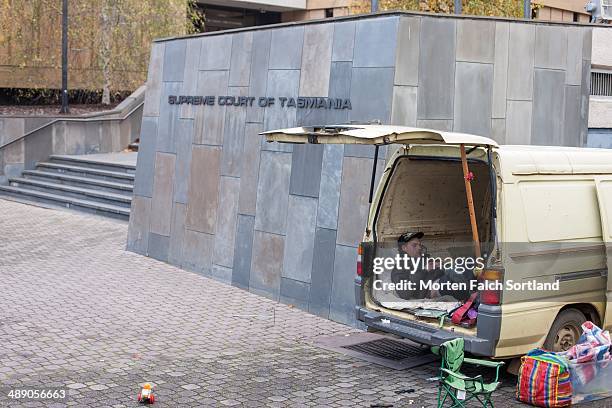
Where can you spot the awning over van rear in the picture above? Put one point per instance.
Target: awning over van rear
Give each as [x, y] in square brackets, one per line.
[373, 135]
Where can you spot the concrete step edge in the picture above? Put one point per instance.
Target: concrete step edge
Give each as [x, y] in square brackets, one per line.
[63, 199]
[85, 180]
[73, 189]
[91, 161]
[86, 170]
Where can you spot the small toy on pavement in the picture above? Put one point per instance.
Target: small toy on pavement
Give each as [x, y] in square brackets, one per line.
[146, 395]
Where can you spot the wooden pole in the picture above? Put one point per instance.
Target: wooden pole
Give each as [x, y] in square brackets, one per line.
[467, 177]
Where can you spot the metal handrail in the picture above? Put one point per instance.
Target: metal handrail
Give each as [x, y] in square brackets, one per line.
[93, 117]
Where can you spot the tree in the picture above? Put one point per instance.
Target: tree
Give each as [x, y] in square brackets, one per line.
[128, 26]
[500, 8]
[109, 41]
[108, 16]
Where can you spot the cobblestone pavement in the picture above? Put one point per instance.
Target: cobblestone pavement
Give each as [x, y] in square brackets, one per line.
[78, 312]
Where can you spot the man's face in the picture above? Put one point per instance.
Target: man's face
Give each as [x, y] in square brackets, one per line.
[413, 248]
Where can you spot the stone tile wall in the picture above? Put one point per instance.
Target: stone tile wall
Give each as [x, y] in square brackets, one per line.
[284, 221]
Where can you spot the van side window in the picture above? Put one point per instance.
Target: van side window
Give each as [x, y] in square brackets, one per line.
[560, 210]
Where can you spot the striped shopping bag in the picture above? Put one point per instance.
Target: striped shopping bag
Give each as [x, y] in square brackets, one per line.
[544, 380]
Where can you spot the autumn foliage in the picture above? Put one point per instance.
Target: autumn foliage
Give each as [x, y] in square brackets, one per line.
[109, 41]
[499, 8]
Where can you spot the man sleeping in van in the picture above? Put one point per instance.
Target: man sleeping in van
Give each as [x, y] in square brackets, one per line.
[410, 244]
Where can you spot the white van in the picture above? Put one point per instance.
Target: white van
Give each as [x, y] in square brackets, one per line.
[542, 213]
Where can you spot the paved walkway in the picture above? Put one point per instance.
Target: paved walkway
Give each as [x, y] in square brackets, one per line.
[78, 312]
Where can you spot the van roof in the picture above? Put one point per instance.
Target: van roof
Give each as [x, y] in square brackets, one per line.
[533, 159]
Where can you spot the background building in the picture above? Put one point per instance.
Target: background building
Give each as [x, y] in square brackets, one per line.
[223, 15]
[600, 104]
[561, 10]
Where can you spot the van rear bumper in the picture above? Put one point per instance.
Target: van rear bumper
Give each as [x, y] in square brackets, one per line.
[422, 333]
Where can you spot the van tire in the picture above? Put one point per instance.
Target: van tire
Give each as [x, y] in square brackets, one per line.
[565, 330]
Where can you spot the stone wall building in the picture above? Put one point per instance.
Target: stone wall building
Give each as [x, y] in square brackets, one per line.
[600, 104]
[561, 10]
[284, 221]
[229, 14]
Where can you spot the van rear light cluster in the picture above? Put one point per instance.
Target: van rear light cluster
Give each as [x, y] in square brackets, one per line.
[492, 278]
[359, 265]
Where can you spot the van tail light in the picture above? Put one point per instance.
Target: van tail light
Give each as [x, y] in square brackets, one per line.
[491, 295]
[359, 265]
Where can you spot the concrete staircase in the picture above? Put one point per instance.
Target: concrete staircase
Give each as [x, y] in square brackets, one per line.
[77, 182]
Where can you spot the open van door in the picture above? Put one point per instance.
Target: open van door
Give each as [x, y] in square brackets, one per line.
[373, 135]
[377, 135]
[604, 196]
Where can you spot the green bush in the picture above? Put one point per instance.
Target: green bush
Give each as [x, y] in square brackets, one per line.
[34, 96]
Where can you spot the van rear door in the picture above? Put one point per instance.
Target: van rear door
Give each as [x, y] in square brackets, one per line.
[377, 135]
[604, 196]
[373, 135]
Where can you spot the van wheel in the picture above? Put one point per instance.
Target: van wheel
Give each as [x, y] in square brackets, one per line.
[565, 331]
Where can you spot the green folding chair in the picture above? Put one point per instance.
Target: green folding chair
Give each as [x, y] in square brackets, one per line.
[458, 387]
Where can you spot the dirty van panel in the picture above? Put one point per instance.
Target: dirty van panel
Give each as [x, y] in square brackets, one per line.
[555, 236]
[428, 195]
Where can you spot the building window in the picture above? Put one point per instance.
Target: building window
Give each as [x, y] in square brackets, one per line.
[601, 83]
[329, 13]
[226, 18]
